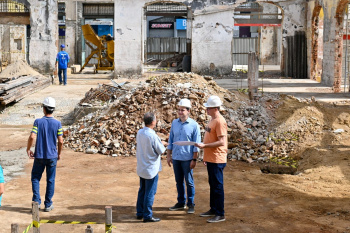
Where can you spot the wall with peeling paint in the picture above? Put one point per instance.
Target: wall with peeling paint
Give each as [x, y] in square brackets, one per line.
[212, 43]
[12, 43]
[44, 35]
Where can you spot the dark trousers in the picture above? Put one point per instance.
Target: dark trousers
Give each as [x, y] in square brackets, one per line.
[37, 171]
[145, 198]
[64, 71]
[183, 172]
[216, 183]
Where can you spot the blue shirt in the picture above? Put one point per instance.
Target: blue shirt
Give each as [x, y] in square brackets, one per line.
[184, 131]
[2, 179]
[47, 130]
[63, 59]
[148, 150]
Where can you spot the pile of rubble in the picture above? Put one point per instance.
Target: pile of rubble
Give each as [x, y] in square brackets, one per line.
[112, 131]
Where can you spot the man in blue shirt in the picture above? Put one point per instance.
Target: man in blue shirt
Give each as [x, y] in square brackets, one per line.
[183, 158]
[149, 147]
[62, 59]
[47, 131]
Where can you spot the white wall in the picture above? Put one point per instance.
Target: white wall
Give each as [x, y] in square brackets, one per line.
[212, 42]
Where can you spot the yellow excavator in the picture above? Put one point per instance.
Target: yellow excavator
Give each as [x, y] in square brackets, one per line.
[102, 49]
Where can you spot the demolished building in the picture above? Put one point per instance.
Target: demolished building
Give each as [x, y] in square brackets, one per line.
[213, 36]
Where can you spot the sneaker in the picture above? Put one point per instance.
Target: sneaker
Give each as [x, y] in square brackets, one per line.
[48, 209]
[61, 83]
[190, 209]
[209, 213]
[178, 206]
[216, 219]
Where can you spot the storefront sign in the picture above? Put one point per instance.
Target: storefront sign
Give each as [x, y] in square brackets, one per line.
[161, 25]
[181, 24]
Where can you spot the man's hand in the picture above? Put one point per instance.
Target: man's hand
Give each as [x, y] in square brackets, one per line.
[30, 154]
[193, 164]
[58, 157]
[200, 145]
[164, 143]
[169, 160]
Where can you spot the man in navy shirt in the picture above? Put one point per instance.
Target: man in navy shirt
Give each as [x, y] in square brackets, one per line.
[183, 158]
[62, 59]
[47, 131]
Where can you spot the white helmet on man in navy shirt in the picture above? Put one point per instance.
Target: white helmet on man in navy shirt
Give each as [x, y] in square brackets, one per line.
[49, 102]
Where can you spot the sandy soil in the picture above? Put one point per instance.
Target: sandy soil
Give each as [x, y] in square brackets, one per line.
[315, 200]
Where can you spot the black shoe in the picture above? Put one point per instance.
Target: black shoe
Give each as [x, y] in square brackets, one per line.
[209, 213]
[153, 219]
[190, 209]
[139, 217]
[216, 219]
[178, 206]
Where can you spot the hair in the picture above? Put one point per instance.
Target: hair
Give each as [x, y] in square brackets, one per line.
[148, 118]
[48, 110]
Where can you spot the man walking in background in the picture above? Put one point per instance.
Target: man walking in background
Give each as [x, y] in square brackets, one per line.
[47, 131]
[62, 60]
[215, 157]
[148, 150]
[183, 158]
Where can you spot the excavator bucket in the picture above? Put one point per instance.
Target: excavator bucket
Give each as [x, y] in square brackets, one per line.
[104, 51]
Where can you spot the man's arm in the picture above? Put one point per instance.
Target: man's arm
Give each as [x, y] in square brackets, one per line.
[220, 142]
[30, 144]
[60, 145]
[168, 157]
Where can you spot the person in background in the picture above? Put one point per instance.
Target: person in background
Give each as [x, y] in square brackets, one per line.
[215, 157]
[2, 184]
[183, 158]
[62, 59]
[149, 147]
[47, 131]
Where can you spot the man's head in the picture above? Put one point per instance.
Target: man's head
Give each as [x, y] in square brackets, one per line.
[150, 120]
[62, 46]
[49, 105]
[183, 109]
[213, 105]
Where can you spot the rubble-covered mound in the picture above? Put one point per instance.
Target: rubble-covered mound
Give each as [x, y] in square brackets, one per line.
[112, 131]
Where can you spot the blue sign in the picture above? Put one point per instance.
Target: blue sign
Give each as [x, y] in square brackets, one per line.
[181, 24]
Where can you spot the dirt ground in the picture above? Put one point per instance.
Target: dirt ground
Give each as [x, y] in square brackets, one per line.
[315, 200]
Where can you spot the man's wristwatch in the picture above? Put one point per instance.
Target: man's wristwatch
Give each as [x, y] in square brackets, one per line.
[194, 160]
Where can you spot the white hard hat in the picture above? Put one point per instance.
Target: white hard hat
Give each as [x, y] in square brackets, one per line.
[185, 103]
[213, 101]
[49, 102]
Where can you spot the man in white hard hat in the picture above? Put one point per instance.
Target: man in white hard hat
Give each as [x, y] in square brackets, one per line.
[215, 157]
[47, 132]
[183, 158]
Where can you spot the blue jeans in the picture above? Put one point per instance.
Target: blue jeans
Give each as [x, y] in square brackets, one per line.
[145, 198]
[64, 76]
[183, 173]
[216, 183]
[37, 171]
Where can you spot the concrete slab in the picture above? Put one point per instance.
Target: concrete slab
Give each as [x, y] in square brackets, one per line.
[300, 88]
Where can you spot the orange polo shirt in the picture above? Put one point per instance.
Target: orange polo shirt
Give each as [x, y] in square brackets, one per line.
[216, 128]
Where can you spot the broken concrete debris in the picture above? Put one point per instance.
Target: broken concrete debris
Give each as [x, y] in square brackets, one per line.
[112, 130]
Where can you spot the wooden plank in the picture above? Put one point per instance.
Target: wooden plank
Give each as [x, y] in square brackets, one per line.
[26, 91]
[258, 21]
[17, 83]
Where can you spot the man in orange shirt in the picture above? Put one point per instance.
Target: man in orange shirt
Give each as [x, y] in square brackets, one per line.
[215, 157]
